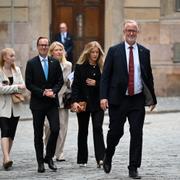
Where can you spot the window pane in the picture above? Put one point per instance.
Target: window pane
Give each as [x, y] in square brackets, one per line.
[177, 5]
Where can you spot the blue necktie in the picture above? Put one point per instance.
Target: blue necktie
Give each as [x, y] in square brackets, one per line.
[63, 37]
[45, 68]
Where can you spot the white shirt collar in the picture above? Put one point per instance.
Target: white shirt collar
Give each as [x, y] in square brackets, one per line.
[64, 33]
[41, 58]
[127, 45]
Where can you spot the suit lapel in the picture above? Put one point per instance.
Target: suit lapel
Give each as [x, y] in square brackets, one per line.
[140, 51]
[141, 57]
[123, 55]
[59, 38]
[50, 67]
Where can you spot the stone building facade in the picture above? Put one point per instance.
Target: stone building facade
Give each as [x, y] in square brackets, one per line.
[22, 21]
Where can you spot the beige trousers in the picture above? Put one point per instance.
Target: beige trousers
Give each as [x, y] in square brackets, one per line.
[63, 118]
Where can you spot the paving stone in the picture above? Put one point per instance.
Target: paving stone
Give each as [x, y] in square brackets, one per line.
[160, 161]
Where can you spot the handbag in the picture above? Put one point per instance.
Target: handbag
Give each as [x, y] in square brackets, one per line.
[82, 106]
[17, 98]
[67, 100]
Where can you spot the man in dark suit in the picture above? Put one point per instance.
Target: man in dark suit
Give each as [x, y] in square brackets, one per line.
[126, 88]
[44, 79]
[65, 38]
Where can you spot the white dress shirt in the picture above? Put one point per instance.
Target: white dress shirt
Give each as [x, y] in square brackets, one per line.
[42, 60]
[137, 69]
[63, 36]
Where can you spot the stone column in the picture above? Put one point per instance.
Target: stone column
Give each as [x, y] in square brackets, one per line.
[39, 21]
[113, 22]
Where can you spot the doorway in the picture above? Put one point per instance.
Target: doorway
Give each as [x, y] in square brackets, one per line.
[85, 20]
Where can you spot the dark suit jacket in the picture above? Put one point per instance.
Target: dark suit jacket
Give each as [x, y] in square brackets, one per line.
[36, 82]
[82, 92]
[114, 80]
[68, 45]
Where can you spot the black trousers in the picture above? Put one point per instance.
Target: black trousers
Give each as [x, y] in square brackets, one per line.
[38, 124]
[132, 108]
[83, 123]
[8, 126]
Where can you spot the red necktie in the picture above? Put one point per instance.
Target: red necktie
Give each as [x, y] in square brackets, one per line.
[131, 72]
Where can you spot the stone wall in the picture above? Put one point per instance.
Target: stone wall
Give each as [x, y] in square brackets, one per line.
[159, 31]
[21, 25]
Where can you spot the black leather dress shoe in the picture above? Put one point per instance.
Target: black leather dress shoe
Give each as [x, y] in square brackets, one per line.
[41, 168]
[107, 164]
[134, 174]
[50, 164]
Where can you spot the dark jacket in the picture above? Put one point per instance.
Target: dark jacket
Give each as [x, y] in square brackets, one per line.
[68, 45]
[114, 80]
[36, 82]
[82, 92]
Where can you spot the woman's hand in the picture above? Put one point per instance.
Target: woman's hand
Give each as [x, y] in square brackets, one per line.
[75, 107]
[21, 86]
[90, 82]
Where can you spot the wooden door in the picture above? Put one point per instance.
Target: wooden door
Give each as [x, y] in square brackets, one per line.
[85, 20]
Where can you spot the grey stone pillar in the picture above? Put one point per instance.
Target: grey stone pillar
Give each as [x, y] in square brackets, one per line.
[113, 22]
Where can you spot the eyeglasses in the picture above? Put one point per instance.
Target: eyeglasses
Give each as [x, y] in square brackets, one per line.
[43, 45]
[131, 31]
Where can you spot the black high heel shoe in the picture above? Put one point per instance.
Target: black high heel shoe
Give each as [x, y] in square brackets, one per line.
[7, 165]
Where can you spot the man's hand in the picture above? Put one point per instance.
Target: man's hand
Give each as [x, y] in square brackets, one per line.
[152, 107]
[49, 93]
[104, 104]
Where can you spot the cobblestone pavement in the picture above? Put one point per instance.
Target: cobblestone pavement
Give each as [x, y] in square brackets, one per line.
[164, 105]
[161, 153]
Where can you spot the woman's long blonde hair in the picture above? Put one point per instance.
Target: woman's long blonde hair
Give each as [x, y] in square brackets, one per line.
[85, 55]
[51, 48]
[3, 53]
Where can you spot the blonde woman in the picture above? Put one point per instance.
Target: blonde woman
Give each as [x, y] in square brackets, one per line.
[85, 87]
[56, 50]
[11, 82]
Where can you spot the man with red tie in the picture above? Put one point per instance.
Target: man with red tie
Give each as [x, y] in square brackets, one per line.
[126, 88]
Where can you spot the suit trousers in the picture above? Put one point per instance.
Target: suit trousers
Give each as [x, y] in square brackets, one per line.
[131, 108]
[38, 125]
[83, 123]
[63, 120]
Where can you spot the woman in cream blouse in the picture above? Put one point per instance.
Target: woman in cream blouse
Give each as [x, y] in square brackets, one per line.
[11, 82]
[56, 50]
